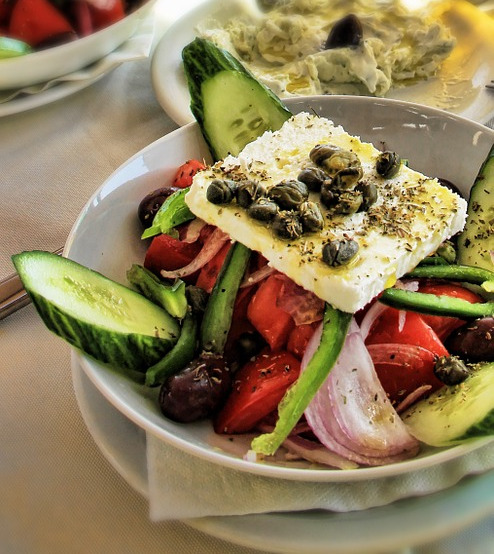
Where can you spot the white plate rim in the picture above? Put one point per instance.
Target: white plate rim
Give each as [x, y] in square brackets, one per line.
[283, 532]
[169, 82]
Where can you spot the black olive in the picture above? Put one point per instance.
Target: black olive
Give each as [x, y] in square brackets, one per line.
[289, 194]
[473, 341]
[450, 370]
[339, 252]
[263, 209]
[388, 164]
[345, 32]
[221, 191]
[248, 192]
[369, 195]
[198, 391]
[287, 225]
[151, 203]
[313, 177]
[311, 217]
[247, 346]
[322, 152]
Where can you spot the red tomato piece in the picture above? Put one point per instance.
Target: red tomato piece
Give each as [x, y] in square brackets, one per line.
[299, 337]
[258, 388]
[444, 326]
[209, 271]
[166, 252]
[402, 368]
[113, 11]
[410, 329]
[273, 323]
[185, 173]
[37, 21]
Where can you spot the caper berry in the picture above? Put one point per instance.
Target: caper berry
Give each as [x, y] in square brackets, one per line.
[249, 191]
[339, 252]
[369, 195]
[345, 32]
[451, 370]
[322, 152]
[311, 217]
[221, 191]
[313, 177]
[289, 194]
[287, 225]
[263, 209]
[348, 202]
[388, 164]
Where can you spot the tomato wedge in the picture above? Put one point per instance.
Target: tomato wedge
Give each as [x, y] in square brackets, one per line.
[185, 173]
[273, 323]
[209, 271]
[444, 326]
[403, 368]
[169, 253]
[258, 388]
[299, 337]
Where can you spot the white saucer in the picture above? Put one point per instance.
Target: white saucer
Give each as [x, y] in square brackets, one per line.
[317, 532]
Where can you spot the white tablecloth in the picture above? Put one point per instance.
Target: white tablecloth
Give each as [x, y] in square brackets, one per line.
[58, 493]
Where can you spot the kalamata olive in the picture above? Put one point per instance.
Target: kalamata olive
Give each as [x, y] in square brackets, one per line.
[289, 194]
[451, 186]
[311, 217]
[221, 191]
[263, 209]
[151, 203]
[345, 32]
[287, 225]
[451, 370]
[248, 192]
[313, 177]
[388, 164]
[198, 391]
[474, 341]
[339, 252]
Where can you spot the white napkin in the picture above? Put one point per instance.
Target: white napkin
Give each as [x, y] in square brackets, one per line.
[182, 486]
[136, 47]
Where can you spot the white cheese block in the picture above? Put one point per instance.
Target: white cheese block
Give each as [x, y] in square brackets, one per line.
[412, 216]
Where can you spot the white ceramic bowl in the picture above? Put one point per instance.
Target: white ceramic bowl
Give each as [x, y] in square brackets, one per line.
[51, 63]
[106, 238]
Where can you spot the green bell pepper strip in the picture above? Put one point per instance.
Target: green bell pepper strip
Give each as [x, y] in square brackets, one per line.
[435, 305]
[172, 212]
[300, 394]
[465, 273]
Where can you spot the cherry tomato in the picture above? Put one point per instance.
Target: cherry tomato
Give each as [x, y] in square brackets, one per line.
[444, 326]
[273, 323]
[258, 388]
[185, 173]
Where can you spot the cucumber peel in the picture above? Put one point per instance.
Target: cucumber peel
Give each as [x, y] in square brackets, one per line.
[455, 414]
[13, 48]
[101, 317]
[299, 395]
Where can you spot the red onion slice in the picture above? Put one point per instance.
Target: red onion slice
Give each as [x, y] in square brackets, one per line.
[304, 306]
[257, 276]
[193, 230]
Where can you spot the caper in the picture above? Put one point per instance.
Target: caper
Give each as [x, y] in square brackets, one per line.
[369, 195]
[313, 177]
[348, 177]
[342, 160]
[289, 194]
[345, 32]
[249, 191]
[287, 225]
[263, 209]
[311, 217]
[221, 191]
[321, 152]
[348, 202]
[388, 164]
[339, 252]
[451, 370]
[329, 196]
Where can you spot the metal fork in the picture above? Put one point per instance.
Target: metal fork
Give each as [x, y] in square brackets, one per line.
[13, 297]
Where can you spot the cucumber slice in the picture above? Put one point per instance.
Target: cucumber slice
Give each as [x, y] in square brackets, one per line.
[104, 319]
[455, 414]
[12, 48]
[476, 242]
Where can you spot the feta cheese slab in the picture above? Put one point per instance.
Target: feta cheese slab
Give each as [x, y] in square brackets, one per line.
[412, 216]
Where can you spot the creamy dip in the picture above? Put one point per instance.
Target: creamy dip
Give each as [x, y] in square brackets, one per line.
[285, 48]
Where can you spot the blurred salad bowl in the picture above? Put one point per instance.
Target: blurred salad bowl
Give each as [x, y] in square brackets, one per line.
[71, 50]
[106, 238]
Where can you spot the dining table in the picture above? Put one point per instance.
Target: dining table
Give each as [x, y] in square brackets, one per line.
[59, 492]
